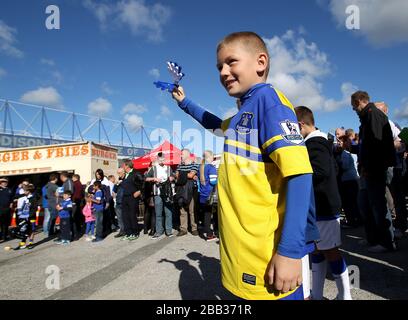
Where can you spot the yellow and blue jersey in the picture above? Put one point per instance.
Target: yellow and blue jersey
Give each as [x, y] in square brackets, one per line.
[263, 148]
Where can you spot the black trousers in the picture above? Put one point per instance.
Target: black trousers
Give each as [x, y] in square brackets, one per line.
[65, 225]
[397, 189]
[206, 212]
[373, 206]
[197, 212]
[349, 198]
[78, 220]
[5, 219]
[149, 219]
[130, 211]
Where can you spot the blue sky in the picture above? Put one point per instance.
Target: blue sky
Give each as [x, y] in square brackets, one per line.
[107, 54]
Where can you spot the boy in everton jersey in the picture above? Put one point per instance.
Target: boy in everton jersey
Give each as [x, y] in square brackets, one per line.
[265, 178]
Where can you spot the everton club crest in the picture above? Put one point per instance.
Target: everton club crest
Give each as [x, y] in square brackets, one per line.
[177, 75]
[245, 124]
[291, 132]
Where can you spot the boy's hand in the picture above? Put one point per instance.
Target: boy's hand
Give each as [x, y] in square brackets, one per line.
[178, 94]
[284, 273]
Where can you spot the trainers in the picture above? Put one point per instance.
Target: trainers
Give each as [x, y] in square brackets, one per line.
[97, 240]
[119, 235]
[59, 242]
[30, 245]
[169, 235]
[211, 238]
[156, 236]
[88, 239]
[194, 233]
[66, 242]
[22, 245]
[181, 233]
[133, 237]
[378, 249]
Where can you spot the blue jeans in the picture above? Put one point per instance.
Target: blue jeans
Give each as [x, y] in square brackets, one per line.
[99, 224]
[90, 226]
[158, 207]
[118, 210]
[46, 223]
[51, 221]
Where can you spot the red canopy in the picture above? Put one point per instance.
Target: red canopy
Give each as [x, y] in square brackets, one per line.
[170, 152]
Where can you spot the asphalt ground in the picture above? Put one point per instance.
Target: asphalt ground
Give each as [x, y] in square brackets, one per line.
[177, 268]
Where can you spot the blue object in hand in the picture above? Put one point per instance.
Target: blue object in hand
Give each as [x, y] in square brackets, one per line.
[177, 75]
[165, 86]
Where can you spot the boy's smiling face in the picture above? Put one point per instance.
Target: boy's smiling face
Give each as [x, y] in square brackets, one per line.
[240, 68]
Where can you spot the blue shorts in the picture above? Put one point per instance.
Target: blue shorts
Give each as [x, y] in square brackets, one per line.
[297, 295]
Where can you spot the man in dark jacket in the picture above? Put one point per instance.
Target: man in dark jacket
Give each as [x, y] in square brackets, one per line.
[328, 207]
[132, 190]
[376, 154]
[6, 203]
[78, 197]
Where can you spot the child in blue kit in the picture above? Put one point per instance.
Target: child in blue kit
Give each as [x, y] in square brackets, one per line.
[65, 212]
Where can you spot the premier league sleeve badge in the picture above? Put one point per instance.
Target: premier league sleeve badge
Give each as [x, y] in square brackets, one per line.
[291, 132]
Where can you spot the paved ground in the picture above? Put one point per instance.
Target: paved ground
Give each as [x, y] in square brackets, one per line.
[169, 268]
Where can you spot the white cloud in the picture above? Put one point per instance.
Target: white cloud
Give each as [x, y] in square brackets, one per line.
[402, 113]
[106, 89]
[100, 10]
[165, 112]
[8, 41]
[133, 122]
[58, 77]
[297, 69]
[3, 73]
[99, 107]
[133, 108]
[382, 23]
[140, 18]
[48, 62]
[48, 96]
[155, 73]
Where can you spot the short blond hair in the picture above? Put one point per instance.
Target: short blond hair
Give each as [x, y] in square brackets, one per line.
[250, 41]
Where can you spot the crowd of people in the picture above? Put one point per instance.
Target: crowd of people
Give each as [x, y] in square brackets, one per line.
[164, 198]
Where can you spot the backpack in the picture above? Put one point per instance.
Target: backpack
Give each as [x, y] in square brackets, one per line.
[184, 194]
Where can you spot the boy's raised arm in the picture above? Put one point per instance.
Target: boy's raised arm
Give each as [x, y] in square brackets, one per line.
[205, 118]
